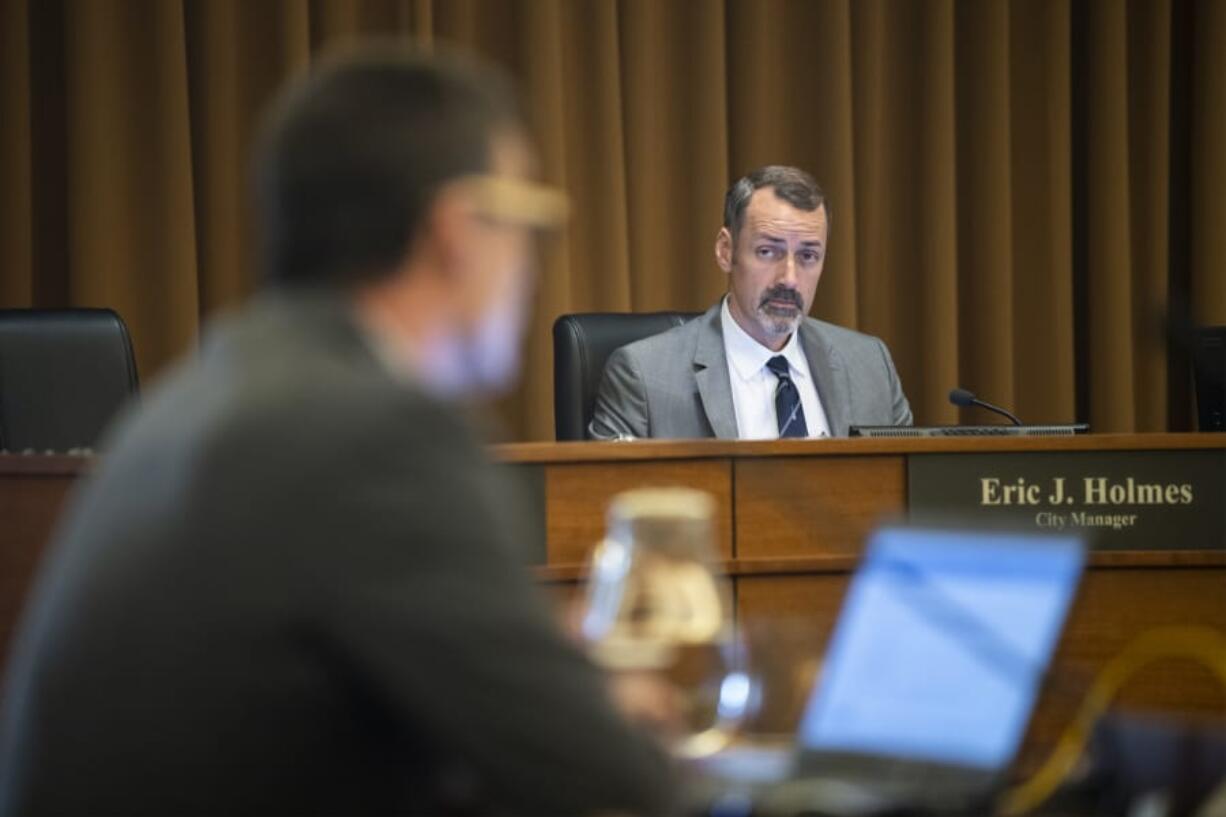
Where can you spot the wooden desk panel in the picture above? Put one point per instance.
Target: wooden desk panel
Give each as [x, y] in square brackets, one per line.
[31, 496]
[792, 518]
[1114, 605]
[814, 506]
[787, 621]
[577, 495]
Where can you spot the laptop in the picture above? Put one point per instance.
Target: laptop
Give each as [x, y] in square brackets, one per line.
[929, 680]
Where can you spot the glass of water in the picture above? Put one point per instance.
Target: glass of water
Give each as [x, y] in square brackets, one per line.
[656, 603]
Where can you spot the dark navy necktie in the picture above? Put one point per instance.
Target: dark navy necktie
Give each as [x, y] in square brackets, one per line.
[788, 410]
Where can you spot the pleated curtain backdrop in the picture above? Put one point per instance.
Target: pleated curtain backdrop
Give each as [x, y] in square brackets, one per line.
[1026, 196]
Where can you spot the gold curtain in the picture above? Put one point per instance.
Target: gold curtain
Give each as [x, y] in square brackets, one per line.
[1022, 192]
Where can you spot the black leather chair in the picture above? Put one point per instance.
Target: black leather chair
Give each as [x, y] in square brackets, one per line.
[63, 375]
[581, 345]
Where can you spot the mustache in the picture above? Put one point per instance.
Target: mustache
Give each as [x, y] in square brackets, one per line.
[781, 293]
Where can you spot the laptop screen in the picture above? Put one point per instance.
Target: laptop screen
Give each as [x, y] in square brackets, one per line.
[941, 644]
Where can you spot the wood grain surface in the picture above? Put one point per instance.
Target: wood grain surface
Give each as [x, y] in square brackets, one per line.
[1113, 606]
[814, 506]
[577, 494]
[654, 450]
[30, 503]
[792, 517]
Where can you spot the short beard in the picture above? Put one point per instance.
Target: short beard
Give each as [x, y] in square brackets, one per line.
[781, 321]
[781, 326]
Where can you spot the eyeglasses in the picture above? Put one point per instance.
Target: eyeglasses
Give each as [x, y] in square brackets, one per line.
[517, 202]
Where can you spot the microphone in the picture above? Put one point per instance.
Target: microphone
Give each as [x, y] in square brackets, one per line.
[962, 397]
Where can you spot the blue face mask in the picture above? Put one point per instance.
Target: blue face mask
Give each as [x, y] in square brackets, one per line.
[485, 360]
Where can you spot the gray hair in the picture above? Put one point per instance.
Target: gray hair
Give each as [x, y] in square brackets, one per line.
[791, 184]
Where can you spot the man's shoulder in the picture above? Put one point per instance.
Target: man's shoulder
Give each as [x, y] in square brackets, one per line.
[278, 403]
[665, 346]
[842, 338]
[842, 333]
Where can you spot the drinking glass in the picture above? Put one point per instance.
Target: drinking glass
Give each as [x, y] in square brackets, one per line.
[655, 603]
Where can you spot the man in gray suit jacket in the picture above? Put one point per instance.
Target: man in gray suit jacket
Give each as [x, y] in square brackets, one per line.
[293, 584]
[754, 366]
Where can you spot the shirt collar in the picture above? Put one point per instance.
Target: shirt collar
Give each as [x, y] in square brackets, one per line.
[748, 357]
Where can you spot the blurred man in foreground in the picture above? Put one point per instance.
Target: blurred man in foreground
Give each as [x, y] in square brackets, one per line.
[755, 366]
[292, 585]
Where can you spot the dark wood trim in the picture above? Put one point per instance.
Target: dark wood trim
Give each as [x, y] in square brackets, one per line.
[52, 465]
[646, 450]
[1107, 560]
[649, 450]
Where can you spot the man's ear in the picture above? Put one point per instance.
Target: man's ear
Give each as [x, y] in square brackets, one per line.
[723, 249]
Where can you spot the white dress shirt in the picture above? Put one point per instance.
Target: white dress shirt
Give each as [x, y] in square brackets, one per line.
[753, 385]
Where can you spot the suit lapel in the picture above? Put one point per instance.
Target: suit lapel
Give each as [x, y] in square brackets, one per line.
[711, 374]
[828, 375]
